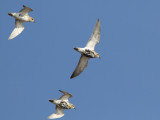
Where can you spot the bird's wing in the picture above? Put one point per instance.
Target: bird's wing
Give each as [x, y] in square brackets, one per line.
[25, 10]
[59, 113]
[66, 95]
[95, 37]
[83, 62]
[17, 30]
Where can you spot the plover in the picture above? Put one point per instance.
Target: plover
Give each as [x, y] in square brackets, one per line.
[21, 16]
[61, 103]
[88, 51]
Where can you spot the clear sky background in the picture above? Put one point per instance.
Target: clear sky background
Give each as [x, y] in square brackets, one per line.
[123, 85]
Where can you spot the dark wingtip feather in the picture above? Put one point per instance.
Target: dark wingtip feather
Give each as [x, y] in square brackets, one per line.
[72, 76]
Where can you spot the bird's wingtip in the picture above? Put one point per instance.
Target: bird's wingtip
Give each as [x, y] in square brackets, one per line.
[71, 77]
[49, 117]
[98, 20]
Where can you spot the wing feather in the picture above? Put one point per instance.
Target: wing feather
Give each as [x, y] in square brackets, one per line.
[59, 113]
[83, 62]
[17, 30]
[95, 37]
[25, 10]
[66, 95]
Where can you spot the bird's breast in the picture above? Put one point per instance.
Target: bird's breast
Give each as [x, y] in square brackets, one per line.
[21, 17]
[64, 105]
[89, 53]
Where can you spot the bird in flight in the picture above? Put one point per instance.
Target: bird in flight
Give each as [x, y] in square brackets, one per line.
[61, 103]
[20, 17]
[88, 51]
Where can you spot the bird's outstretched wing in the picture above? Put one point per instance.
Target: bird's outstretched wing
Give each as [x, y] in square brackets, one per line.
[66, 95]
[17, 30]
[95, 37]
[25, 10]
[59, 113]
[83, 62]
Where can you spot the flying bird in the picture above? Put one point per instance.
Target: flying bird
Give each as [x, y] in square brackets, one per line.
[61, 103]
[88, 51]
[20, 17]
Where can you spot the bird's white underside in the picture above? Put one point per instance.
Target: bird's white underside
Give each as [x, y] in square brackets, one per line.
[24, 17]
[93, 41]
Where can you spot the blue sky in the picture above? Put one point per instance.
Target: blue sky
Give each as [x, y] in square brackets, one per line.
[122, 85]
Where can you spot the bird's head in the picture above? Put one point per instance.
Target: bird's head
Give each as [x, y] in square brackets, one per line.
[72, 106]
[97, 55]
[31, 20]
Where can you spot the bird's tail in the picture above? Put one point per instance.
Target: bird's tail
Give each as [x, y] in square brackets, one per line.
[10, 14]
[51, 100]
